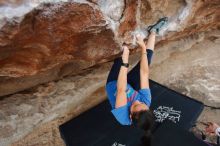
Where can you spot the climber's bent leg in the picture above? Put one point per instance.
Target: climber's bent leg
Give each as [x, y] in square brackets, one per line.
[113, 74]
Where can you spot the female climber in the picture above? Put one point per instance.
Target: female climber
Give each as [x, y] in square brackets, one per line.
[129, 94]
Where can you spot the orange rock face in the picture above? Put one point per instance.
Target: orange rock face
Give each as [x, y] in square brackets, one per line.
[54, 36]
[55, 40]
[43, 39]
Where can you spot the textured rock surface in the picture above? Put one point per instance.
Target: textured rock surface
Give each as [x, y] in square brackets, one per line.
[51, 42]
[54, 39]
[194, 68]
[51, 105]
[67, 38]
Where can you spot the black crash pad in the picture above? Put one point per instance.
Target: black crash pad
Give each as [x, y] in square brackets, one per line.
[172, 106]
[98, 127]
[170, 134]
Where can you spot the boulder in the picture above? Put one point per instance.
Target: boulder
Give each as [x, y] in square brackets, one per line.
[55, 58]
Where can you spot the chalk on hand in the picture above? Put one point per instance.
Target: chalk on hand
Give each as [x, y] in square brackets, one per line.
[138, 35]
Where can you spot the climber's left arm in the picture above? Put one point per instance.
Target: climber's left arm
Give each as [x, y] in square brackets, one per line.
[144, 68]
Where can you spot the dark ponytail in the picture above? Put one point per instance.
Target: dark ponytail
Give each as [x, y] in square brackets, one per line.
[146, 139]
[145, 121]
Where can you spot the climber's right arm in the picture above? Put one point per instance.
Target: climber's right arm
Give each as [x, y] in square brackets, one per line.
[121, 98]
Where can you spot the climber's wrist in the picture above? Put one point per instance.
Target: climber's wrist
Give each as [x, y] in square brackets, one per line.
[143, 47]
[125, 59]
[144, 51]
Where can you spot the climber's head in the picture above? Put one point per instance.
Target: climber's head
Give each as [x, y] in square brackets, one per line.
[138, 106]
[140, 113]
[143, 118]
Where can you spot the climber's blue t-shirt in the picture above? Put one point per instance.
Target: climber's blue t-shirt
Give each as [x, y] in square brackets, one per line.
[122, 114]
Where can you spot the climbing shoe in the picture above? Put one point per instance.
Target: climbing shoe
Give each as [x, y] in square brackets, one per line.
[157, 26]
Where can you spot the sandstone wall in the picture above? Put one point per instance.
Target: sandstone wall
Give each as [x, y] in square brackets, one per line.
[58, 56]
[58, 39]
